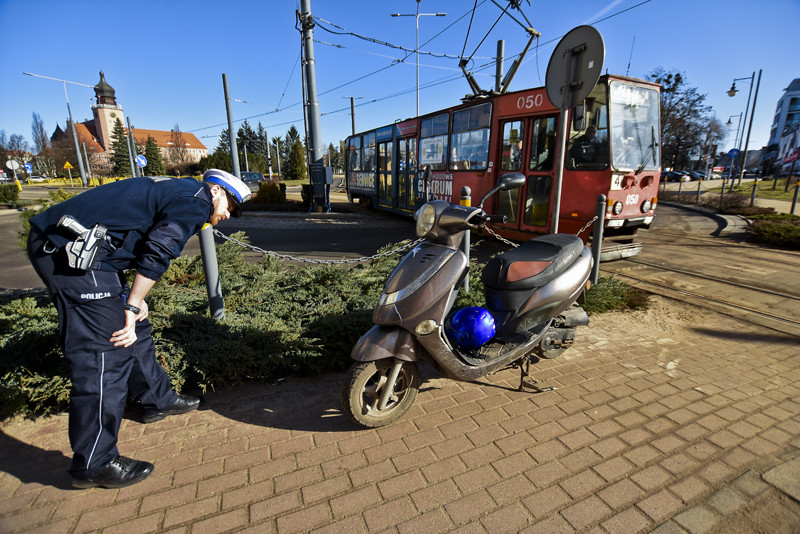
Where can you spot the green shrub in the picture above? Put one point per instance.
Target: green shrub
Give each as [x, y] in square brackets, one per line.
[9, 193]
[777, 231]
[611, 294]
[280, 319]
[269, 193]
[25, 217]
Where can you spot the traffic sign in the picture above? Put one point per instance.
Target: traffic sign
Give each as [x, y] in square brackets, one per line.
[68, 165]
[12, 164]
[141, 160]
[733, 153]
[28, 168]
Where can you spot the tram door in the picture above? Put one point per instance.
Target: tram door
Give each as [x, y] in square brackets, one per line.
[406, 172]
[385, 173]
[528, 146]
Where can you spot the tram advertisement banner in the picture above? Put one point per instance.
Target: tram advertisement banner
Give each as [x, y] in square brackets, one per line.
[362, 182]
[432, 150]
[441, 187]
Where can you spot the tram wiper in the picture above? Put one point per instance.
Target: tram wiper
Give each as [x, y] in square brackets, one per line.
[651, 149]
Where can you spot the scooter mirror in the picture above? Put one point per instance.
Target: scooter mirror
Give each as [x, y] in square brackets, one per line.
[511, 180]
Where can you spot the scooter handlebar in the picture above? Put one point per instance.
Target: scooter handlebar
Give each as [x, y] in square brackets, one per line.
[486, 218]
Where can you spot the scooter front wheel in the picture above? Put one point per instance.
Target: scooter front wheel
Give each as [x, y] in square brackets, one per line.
[367, 383]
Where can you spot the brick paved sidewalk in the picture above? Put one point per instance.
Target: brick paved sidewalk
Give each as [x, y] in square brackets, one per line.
[657, 425]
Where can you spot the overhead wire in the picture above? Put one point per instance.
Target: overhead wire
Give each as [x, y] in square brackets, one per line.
[434, 83]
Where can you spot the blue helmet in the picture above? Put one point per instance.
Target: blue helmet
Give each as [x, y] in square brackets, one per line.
[470, 328]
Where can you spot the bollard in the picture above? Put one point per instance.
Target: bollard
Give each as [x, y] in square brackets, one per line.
[680, 185]
[597, 237]
[699, 182]
[722, 193]
[794, 200]
[466, 200]
[208, 253]
[753, 194]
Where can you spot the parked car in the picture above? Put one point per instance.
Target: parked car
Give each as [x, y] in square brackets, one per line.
[675, 176]
[35, 179]
[697, 175]
[253, 179]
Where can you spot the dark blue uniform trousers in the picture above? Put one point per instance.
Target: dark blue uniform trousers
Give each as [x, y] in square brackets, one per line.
[90, 308]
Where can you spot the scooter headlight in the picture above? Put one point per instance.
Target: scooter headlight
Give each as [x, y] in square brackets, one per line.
[426, 218]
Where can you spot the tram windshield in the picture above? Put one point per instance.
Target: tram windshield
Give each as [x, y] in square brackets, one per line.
[635, 130]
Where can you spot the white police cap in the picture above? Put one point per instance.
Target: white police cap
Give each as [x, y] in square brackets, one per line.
[231, 184]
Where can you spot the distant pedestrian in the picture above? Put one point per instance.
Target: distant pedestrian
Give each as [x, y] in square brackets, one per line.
[81, 249]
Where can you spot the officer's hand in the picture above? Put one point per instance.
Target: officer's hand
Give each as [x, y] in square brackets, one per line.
[144, 312]
[127, 336]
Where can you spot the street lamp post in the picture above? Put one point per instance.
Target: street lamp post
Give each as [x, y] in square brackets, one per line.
[735, 141]
[731, 93]
[72, 122]
[417, 15]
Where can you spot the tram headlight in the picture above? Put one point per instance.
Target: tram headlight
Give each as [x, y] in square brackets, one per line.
[426, 218]
[646, 206]
[617, 209]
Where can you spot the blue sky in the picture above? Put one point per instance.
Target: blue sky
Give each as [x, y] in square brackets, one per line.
[165, 59]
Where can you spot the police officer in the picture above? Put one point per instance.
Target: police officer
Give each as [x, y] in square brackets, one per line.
[103, 325]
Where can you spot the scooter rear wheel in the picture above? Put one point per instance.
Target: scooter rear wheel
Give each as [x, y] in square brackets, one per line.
[366, 383]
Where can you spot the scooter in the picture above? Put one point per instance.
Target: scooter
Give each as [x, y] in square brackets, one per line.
[530, 311]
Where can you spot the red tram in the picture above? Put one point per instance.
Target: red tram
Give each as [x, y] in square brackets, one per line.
[612, 149]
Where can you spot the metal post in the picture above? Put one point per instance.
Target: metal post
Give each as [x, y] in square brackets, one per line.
[750, 126]
[278, 155]
[794, 200]
[699, 182]
[88, 167]
[231, 131]
[466, 200]
[353, 115]
[597, 236]
[77, 147]
[246, 164]
[501, 51]
[316, 149]
[208, 252]
[269, 158]
[131, 148]
[753, 195]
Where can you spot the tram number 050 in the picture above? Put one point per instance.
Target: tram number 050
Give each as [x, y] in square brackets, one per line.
[631, 200]
[530, 101]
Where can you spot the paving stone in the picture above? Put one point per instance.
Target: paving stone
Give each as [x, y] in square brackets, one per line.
[697, 520]
[726, 501]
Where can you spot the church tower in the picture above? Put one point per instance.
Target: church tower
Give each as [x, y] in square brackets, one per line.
[106, 112]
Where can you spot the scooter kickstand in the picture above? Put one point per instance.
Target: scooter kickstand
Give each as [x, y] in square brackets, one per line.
[524, 370]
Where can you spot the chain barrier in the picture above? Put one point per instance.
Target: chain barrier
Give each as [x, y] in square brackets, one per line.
[315, 261]
[587, 225]
[515, 245]
[347, 261]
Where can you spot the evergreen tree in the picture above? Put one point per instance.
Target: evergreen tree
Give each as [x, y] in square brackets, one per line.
[155, 163]
[218, 160]
[296, 166]
[224, 144]
[120, 162]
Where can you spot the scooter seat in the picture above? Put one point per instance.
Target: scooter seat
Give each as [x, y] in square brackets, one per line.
[534, 263]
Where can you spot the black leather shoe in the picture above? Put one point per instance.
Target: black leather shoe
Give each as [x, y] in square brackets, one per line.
[117, 474]
[183, 404]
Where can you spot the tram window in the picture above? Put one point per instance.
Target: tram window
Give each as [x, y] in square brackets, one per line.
[513, 134]
[368, 160]
[434, 126]
[537, 200]
[588, 149]
[470, 138]
[543, 144]
[354, 154]
[507, 204]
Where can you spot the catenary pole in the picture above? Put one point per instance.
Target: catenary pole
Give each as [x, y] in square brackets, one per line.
[131, 148]
[316, 150]
[231, 131]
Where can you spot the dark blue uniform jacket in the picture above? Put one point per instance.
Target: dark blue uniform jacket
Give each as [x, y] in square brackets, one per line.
[149, 220]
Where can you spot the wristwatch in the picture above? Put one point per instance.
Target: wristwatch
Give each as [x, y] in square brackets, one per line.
[132, 308]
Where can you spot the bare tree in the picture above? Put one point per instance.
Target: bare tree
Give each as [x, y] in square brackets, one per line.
[178, 153]
[43, 154]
